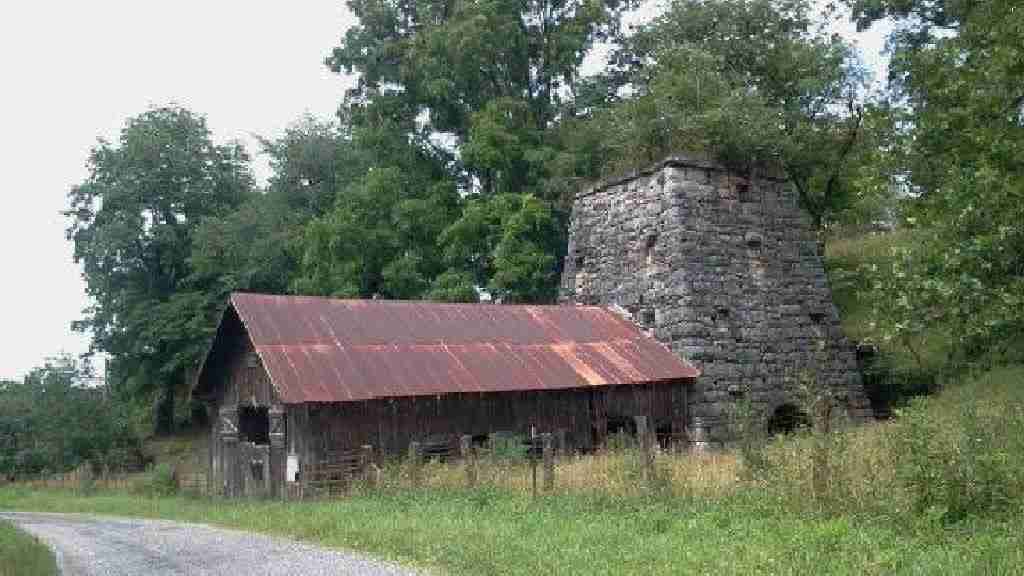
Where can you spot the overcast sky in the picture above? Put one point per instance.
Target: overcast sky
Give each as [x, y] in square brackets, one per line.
[74, 71]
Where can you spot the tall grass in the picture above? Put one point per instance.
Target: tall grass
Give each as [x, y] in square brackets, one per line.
[23, 555]
[947, 459]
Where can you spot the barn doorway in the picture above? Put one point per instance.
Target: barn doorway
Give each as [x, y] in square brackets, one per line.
[787, 419]
[254, 424]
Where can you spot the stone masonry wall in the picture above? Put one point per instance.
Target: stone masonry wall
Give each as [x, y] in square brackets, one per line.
[726, 271]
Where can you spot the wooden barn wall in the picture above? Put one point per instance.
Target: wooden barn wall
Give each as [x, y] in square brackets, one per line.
[245, 382]
[241, 381]
[390, 424]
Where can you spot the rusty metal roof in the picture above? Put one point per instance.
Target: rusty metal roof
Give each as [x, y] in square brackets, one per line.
[327, 350]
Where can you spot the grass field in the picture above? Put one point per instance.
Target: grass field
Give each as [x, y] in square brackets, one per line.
[878, 515]
[23, 555]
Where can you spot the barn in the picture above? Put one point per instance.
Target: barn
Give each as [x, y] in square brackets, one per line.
[291, 379]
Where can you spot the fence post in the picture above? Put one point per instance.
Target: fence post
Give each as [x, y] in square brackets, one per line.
[369, 475]
[548, 445]
[533, 460]
[414, 464]
[469, 458]
[646, 448]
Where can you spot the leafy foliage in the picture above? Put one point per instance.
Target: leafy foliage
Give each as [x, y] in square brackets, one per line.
[132, 224]
[958, 68]
[54, 421]
[754, 84]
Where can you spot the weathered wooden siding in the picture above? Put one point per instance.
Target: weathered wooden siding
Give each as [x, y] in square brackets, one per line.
[243, 382]
[391, 424]
[246, 383]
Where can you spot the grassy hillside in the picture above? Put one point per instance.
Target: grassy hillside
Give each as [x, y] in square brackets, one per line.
[23, 555]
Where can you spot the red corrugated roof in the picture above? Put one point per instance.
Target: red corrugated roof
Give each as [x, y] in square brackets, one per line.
[327, 350]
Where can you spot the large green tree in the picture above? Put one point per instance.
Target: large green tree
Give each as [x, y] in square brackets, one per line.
[958, 71]
[442, 108]
[132, 223]
[749, 82]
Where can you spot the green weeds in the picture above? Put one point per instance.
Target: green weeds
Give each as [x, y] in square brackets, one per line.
[23, 555]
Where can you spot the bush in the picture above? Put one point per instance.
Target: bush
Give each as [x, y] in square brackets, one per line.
[962, 466]
[163, 481]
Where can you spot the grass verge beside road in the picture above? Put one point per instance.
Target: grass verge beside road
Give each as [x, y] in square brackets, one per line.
[23, 555]
[500, 533]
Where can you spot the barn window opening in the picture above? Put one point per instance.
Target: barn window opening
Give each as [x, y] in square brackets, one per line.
[817, 317]
[787, 419]
[254, 424]
[581, 261]
[621, 427]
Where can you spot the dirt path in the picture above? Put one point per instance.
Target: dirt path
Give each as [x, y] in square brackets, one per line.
[88, 545]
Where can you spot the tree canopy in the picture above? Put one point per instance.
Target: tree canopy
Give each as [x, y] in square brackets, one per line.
[132, 223]
[957, 69]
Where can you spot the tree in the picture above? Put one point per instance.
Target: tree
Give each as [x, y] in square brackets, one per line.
[507, 243]
[436, 66]
[957, 71]
[55, 420]
[753, 83]
[132, 223]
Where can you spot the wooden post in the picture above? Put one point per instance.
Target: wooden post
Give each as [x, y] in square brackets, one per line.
[468, 458]
[369, 467]
[549, 461]
[277, 459]
[230, 469]
[533, 460]
[414, 464]
[561, 442]
[646, 448]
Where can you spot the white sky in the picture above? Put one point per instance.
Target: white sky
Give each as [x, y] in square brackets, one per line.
[73, 71]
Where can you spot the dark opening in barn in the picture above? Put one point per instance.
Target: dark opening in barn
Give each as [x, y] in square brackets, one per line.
[254, 424]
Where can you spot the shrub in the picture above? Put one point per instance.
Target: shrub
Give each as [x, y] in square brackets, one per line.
[965, 464]
[163, 481]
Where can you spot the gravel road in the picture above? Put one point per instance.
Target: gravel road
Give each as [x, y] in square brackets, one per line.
[87, 546]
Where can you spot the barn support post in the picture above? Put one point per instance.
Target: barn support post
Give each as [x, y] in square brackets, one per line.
[276, 476]
[230, 469]
[548, 447]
